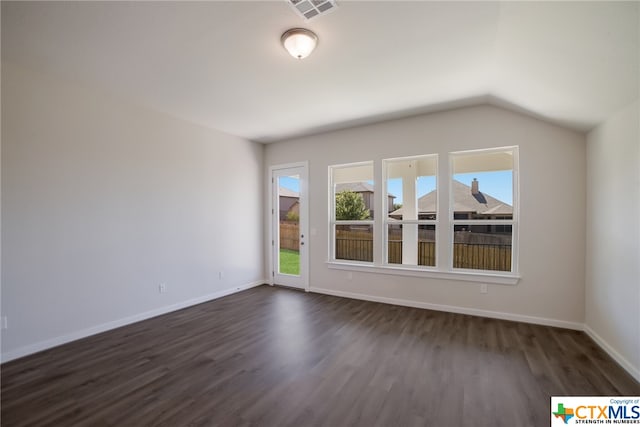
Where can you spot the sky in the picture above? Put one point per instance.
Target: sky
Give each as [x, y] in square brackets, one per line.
[290, 182]
[496, 184]
[426, 184]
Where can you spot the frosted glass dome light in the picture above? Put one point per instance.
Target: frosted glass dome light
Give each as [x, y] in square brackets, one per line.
[299, 42]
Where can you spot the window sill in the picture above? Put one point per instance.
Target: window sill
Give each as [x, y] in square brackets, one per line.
[471, 276]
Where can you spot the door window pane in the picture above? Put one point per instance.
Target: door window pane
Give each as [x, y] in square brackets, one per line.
[289, 230]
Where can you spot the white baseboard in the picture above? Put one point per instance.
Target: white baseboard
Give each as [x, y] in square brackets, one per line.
[454, 309]
[634, 371]
[54, 342]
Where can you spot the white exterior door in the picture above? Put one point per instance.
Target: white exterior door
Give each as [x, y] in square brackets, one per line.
[289, 225]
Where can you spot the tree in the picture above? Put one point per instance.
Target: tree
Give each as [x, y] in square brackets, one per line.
[293, 216]
[350, 206]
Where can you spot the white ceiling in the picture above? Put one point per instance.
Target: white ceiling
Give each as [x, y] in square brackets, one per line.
[221, 63]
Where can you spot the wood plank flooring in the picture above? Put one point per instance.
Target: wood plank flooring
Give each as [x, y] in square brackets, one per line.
[278, 357]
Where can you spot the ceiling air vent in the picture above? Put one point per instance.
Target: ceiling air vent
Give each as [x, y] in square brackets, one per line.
[310, 9]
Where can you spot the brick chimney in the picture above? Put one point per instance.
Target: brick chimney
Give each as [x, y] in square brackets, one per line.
[475, 189]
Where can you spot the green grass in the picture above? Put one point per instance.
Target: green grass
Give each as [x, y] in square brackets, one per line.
[289, 262]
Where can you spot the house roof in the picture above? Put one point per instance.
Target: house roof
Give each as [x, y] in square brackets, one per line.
[480, 203]
[357, 187]
[285, 192]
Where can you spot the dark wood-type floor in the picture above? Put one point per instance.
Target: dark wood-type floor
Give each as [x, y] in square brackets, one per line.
[273, 356]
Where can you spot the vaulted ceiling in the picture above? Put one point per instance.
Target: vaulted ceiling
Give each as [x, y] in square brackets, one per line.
[221, 64]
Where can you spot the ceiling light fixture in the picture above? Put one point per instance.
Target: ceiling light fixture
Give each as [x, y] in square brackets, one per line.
[299, 42]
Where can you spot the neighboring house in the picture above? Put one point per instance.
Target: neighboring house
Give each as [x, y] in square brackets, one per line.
[366, 192]
[294, 210]
[289, 202]
[469, 203]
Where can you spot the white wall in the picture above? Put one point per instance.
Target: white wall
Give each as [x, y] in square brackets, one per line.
[103, 200]
[552, 184]
[613, 236]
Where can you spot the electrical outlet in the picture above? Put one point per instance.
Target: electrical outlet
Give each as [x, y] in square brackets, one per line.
[4, 322]
[483, 288]
[162, 288]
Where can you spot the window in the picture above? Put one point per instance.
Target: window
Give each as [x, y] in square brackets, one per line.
[482, 208]
[352, 212]
[411, 205]
[408, 226]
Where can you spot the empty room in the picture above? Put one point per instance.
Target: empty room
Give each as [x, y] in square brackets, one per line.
[320, 213]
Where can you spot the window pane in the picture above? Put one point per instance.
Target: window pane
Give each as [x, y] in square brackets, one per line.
[394, 198]
[354, 242]
[353, 192]
[411, 187]
[354, 201]
[421, 253]
[289, 230]
[427, 197]
[482, 247]
[482, 185]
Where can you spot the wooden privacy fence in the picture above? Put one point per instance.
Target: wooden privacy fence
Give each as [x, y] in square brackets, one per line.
[357, 245]
[354, 245]
[361, 249]
[426, 252]
[482, 257]
[289, 235]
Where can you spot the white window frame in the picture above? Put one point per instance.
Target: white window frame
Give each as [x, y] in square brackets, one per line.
[513, 222]
[387, 221]
[332, 216]
[444, 223]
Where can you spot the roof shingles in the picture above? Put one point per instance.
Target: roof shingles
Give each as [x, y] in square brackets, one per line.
[464, 201]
